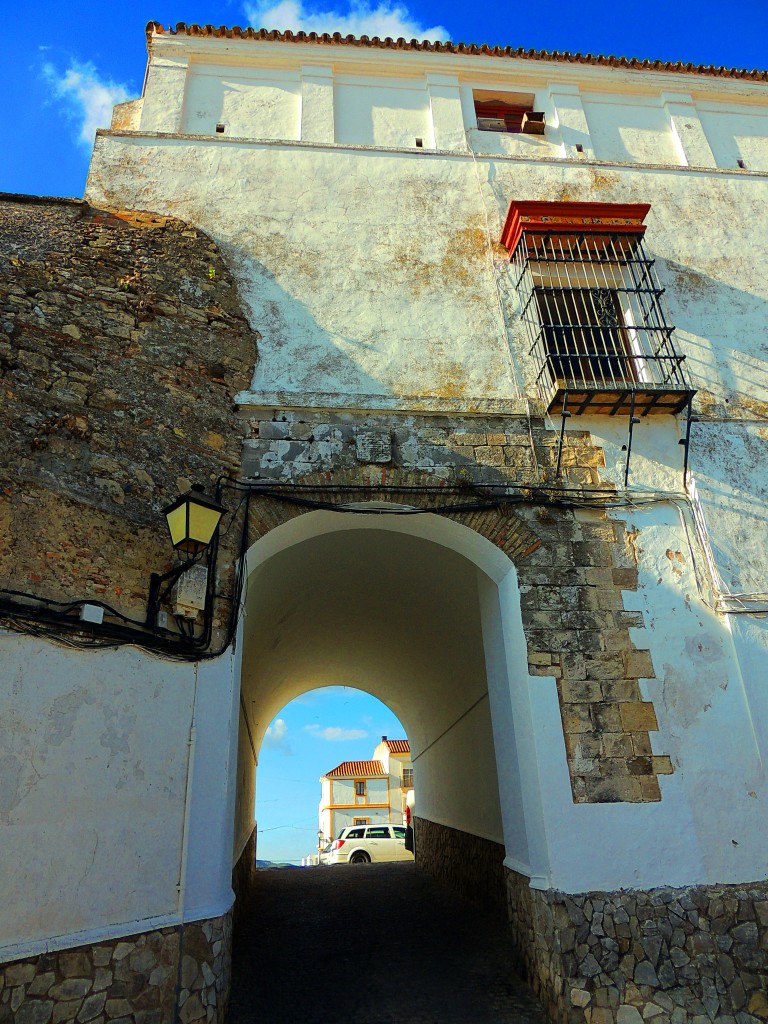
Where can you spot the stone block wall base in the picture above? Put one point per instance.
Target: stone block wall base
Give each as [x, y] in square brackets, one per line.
[160, 977]
[688, 956]
[470, 866]
[243, 881]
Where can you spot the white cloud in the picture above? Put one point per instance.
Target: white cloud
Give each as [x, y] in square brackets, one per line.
[357, 18]
[87, 97]
[276, 736]
[334, 733]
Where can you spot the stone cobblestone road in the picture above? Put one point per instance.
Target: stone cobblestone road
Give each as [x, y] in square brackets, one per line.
[372, 944]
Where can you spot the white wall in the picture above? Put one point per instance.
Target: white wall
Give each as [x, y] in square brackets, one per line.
[251, 105]
[737, 133]
[629, 129]
[431, 333]
[388, 99]
[388, 112]
[117, 793]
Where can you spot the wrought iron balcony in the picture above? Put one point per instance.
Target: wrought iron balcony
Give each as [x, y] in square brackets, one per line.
[592, 306]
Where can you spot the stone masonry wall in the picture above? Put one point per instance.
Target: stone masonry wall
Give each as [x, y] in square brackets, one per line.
[244, 880]
[573, 564]
[689, 956]
[122, 344]
[160, 977]
[471, 867]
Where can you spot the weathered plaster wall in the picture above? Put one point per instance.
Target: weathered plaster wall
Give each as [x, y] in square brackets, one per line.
[117, 793]
[264, 106]
[432, 323]
[94, 777]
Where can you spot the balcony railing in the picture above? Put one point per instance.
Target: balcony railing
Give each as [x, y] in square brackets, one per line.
[597, 327]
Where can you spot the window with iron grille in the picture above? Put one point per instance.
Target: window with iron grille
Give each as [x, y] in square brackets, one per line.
[592, 306]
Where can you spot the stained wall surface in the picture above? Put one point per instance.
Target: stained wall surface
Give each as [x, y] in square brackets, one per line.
[389, 337]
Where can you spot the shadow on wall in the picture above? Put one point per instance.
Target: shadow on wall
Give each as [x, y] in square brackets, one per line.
[295, 347]
[721, 330]
[733, 321]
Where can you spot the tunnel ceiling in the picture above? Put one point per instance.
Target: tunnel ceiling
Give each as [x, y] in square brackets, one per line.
[391, 614]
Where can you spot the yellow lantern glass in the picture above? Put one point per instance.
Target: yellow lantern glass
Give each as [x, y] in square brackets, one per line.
[192, 520]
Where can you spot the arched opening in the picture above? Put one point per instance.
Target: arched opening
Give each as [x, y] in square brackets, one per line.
[333, 758]
[422, 613]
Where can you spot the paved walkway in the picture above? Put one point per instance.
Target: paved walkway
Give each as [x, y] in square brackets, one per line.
[372, 944]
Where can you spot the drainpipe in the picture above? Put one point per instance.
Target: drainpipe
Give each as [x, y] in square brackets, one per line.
[182, 886]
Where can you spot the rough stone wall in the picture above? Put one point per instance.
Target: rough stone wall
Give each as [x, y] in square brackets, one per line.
[468, 865]
[122, 344]
[572, 564]
[160, 977]
[688, 956]
[244, 880]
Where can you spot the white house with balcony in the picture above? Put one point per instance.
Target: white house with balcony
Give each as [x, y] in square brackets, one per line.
[366, 792]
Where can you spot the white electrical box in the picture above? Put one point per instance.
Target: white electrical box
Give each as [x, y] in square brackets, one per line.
[92, 613]
[189, 595]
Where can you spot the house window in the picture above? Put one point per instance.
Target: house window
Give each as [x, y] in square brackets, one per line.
[407, 778]
[361, 821]
[359, 790]
[592, 306]
[507, 112]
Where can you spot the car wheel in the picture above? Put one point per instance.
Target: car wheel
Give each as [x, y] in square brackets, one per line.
[361, 857]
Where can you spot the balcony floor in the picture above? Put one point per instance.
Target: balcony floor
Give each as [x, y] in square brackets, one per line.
[592, 401]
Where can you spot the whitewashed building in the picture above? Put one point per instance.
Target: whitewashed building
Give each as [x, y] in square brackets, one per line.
[504, 452]
[366, 792]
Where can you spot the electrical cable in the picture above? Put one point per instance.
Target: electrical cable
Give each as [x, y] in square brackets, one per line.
[50, 619]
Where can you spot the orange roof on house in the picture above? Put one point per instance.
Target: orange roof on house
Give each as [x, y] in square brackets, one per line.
[356, 769]
[375, 42]
[398, 746]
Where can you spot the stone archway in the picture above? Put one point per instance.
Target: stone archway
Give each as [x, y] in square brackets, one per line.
[572, 571]
[425, 561]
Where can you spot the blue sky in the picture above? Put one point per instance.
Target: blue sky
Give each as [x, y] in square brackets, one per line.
[64, 66]
[309, 737]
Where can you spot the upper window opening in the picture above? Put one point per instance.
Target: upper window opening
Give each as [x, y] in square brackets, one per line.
[592, 305]
[507, 112]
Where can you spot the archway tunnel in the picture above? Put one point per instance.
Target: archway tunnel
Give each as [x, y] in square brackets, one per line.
[401, 610]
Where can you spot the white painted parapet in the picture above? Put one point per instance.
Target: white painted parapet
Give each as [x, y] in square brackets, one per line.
[571, 120]
[447, 115]
[317, 120]
[164, 93]
[687, 130]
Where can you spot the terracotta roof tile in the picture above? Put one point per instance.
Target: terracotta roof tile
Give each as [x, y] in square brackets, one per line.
[375, 42]
[358, 769]
[398, 746]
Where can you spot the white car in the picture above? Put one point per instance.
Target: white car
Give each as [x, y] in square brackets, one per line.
[363, 844]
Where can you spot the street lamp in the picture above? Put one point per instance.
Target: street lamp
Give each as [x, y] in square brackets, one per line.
[192, 522]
